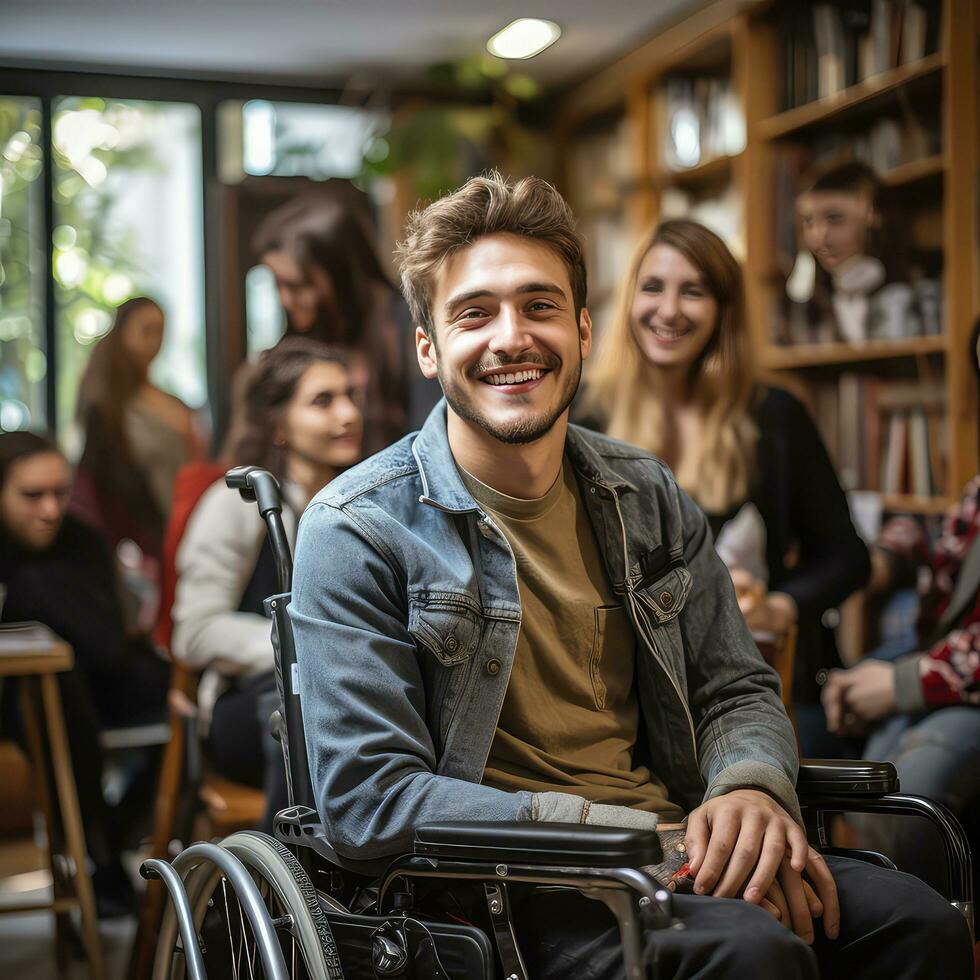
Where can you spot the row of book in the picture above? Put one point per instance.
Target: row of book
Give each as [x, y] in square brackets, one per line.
[827, 47]
[885, 435]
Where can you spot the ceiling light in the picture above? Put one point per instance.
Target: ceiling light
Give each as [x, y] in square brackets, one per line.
[524, 38]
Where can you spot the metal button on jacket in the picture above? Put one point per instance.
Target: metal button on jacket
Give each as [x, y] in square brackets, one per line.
[452, 644]
[666, 599]
[493, 666]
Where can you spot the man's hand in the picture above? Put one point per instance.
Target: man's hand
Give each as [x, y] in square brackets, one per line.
[863, 694]
[796, 901]
[745, 832]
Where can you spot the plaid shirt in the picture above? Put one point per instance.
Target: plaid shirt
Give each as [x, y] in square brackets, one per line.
[949, 670]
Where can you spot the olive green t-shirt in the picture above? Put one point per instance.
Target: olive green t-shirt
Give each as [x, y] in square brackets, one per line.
[569, 718]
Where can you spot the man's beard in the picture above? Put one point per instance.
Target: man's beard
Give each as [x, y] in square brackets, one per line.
[522, 430]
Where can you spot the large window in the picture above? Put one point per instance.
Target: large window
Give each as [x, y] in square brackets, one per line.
[23, 361]
[128, 221]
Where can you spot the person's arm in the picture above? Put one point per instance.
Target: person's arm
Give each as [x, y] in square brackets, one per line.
[372, 760]
[834, 561]
[747, 833]
[214, 562]
[729, 683]
[948, 674]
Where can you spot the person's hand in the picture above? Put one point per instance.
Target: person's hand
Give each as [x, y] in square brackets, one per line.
[776, 613]
[796, 900]
[749, 591]
[863, 694]
[742, 836]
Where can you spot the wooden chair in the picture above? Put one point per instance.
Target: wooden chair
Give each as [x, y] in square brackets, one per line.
[34, 655]
[191, 803]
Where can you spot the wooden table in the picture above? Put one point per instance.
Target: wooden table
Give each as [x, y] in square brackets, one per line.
[32, 653]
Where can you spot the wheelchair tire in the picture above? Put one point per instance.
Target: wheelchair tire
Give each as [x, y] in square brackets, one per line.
[274, 865]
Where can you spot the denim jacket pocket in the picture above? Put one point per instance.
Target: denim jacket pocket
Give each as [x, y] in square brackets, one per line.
[665, 597]
[445, 625]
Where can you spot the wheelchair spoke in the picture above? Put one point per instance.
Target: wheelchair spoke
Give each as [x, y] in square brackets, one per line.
[231, 941]
[244, 945]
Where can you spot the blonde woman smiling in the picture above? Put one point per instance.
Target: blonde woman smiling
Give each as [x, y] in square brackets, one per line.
[674, 373]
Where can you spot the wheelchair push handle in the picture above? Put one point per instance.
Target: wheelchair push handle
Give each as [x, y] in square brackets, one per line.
[256, 485]
[259, 486]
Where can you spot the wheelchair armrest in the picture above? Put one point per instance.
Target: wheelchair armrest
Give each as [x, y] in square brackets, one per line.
[846, 777]
[540, 843]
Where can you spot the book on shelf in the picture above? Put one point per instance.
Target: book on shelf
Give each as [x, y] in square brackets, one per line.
[829, 46]
[883, 435]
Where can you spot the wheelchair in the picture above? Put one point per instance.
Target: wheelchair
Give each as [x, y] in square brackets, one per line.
[280, 906]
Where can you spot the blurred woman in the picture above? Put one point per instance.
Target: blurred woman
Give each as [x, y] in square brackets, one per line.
[302, 422]
[136, 436]
[57, 571]
[333, 288]
[674, 373]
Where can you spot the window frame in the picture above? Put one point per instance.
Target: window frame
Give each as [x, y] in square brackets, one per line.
[223, 351]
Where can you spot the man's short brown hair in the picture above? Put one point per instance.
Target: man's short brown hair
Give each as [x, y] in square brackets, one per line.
[487, 205]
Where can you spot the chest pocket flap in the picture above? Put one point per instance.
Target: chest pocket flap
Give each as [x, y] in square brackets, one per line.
[667, 595]
[448, 627]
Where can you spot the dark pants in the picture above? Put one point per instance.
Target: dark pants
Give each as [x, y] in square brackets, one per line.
[892, 926]
[240, 745]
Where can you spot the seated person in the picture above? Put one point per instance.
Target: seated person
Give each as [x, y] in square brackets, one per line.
[300, 421]
[674, 374]
[926, 706]
[58, 571]
[505, 617]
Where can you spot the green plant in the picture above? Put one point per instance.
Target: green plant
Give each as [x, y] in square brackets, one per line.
[469, 125]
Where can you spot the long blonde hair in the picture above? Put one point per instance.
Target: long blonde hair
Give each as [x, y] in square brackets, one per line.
[722, 378]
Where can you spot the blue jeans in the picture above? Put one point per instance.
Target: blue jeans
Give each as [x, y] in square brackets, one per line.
[937, 756]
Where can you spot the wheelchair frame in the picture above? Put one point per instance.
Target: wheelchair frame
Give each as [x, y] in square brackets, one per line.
[602, 863]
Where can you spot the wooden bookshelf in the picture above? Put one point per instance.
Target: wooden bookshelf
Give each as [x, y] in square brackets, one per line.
[715, 170]
[739, 37]
[862, 96]
[914, 171]
[898, 503]
[797, 356]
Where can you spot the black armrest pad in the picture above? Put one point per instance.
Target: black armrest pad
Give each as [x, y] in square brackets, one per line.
[846, 777]
[540, 843]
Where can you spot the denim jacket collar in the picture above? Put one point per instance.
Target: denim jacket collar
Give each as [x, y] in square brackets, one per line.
[443, 487]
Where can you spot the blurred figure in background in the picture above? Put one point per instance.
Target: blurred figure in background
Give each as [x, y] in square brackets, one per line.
[924, 708]
[57, 571]
[333, 288]
[674, 373]
[302, 422]
[136, 439]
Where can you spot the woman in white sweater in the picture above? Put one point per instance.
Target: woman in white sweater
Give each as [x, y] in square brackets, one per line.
[299, 419]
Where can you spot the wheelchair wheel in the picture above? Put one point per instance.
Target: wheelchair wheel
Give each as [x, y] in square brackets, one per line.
[229, 947]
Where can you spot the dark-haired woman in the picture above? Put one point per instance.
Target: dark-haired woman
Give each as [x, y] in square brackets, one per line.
[57, 571]
[333, 288]
[136, 436]
[302, 422]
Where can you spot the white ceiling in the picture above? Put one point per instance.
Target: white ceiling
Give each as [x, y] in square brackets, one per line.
[315, 40]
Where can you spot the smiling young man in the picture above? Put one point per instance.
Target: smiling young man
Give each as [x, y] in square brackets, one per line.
[504, 617]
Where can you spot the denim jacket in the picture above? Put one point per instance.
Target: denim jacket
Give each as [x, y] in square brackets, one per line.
[406, 614]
